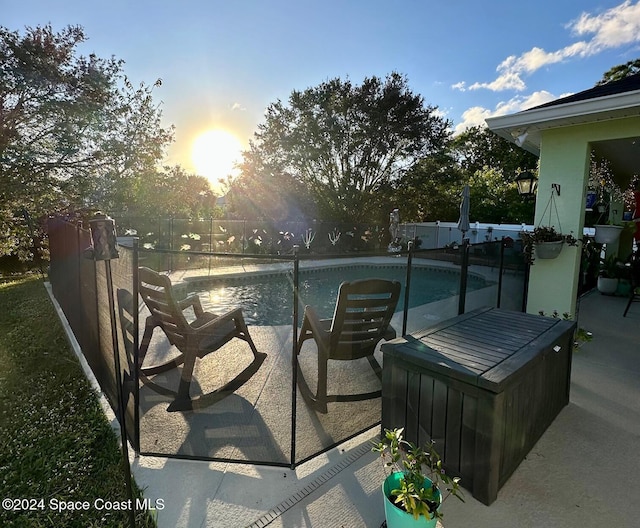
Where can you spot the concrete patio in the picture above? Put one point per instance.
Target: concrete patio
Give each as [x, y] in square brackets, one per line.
[581, 473]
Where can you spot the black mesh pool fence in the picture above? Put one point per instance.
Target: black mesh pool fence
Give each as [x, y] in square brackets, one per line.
[265, 420]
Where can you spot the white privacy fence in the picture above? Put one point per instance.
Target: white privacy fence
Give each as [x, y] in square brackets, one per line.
[441, 234]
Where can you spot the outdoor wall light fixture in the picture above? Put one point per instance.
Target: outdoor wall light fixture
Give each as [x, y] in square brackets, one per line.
[527, 184]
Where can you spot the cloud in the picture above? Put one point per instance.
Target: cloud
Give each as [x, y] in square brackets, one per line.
[237, 106]
[471, 117]
[506, 81]
[616, 27]
[476, 115]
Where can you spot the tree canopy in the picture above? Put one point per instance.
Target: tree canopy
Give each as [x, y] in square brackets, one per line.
[341, 144]
[620, 71]
[171, 192]
[74, 131]
[430, 190]
[478, 148]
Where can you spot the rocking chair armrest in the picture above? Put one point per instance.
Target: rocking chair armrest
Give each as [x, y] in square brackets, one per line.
[234, 315]
[191, 300]
[318, 326]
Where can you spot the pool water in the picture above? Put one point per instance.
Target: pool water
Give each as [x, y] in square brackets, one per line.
[268, 299]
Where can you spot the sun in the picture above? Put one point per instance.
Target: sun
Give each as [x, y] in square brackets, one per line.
[214, 154]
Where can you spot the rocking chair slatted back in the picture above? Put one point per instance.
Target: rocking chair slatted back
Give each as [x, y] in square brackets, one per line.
[634, 294]
[157, 292]
[362, 316]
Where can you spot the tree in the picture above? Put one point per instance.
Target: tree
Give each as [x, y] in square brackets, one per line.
[171, 192]
[74, 132]
[620, 71]
[494, 201]
[279, 197]
[342, 144]
[430, 190]
[478, 148]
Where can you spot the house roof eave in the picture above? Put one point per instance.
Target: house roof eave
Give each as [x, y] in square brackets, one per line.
[532, 121]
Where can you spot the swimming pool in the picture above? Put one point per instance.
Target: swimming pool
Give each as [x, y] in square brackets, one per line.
[267, 300]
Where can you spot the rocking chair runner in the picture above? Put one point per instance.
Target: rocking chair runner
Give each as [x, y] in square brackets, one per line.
[195, 339]
[361, 320]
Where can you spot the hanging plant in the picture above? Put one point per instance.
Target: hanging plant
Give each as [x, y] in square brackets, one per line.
[546, 240]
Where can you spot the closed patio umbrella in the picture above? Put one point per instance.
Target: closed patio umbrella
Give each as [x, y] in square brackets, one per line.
[463, 221]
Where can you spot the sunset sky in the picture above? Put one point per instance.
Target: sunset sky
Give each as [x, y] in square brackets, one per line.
[223, 62]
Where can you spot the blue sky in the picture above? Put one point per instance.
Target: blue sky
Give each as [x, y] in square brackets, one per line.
[223, 62]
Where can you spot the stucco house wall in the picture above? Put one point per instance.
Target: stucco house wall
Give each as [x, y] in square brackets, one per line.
[564, 159]
[563, 134]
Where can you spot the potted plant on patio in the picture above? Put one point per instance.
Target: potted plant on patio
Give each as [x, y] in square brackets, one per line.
[417, 484]
[546, 241]
[609, 275]
[607, 233]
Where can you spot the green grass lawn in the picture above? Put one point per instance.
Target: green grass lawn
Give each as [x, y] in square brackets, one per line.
[55, 441]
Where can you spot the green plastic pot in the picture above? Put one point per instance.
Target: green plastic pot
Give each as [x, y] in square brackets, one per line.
[397, 517]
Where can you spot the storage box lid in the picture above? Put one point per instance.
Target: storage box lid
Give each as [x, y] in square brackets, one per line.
[485, 347]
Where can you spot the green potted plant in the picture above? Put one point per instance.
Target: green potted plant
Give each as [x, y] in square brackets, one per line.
[417, 484]
[609, 275]
[546, 241]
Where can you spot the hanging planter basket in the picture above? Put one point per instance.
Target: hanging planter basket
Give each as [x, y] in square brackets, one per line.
[549, 250]
[607, 234]
[544, 241]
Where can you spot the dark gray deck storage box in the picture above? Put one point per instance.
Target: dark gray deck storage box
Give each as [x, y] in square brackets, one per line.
[484, 385]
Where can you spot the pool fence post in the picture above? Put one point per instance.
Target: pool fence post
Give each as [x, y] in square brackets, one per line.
[211, 248]
[170, 244]
[525, 289]
[136, 366]
[406, 288]
[500, 271]
[463, 275]
[294, 355]
[103, 235]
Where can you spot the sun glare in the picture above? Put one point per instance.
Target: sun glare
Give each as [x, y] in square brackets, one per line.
[214, 154]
